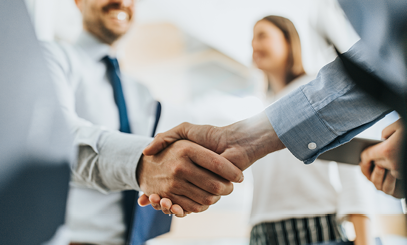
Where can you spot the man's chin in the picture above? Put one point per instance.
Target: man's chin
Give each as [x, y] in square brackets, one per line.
[117, 27]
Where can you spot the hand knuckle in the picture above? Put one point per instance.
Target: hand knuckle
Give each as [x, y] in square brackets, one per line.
[217, 188]
[387, 152]
[216, 164]
[182, 148]
[177, 169]
[173, 185]
[185, 124]
[209, 200]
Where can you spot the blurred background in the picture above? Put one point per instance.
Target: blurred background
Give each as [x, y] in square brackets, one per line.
[196, 58]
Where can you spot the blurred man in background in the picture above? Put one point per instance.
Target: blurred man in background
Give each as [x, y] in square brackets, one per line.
[98, 100]
[100, 91]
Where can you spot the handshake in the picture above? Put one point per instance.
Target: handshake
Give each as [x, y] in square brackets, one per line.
[189, 167]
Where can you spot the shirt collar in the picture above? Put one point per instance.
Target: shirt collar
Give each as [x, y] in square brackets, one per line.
[93, 46]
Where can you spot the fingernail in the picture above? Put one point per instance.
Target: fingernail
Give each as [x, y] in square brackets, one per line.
[241, 179]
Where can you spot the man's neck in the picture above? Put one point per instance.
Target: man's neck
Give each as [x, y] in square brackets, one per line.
[111, 43]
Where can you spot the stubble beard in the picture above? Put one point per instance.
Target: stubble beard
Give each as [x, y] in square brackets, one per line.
[99, 29]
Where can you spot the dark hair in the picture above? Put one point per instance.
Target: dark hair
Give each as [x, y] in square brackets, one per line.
[294, 62]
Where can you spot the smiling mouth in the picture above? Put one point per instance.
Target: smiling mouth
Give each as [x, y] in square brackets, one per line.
[118, 15]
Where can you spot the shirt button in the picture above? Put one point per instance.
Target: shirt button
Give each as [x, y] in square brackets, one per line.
[312, 146]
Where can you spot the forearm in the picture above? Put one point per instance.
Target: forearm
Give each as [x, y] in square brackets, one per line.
[107, 160]
[363, 229]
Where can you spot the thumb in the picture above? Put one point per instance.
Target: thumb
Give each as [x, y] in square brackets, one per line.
[163, 140]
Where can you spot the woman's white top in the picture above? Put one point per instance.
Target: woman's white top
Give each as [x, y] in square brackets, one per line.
[284, 187]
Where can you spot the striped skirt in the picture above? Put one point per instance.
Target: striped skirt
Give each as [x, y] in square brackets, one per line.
[300, 231]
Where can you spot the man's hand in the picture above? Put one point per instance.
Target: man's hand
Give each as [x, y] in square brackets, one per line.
[241, 143]
[381, 163]
[188, 174]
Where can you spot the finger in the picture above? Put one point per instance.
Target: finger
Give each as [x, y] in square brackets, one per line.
[195, 193]
[166, 205]
[143, 200]
[163, 140]
[389, 130]
[377, 177]
[180, 216]
[214, 163]
[155, 201]
[374, 154]
[389, 184]
[187, 204]
[177, 210]
[208, 182]
[366, 167]
[397, 174]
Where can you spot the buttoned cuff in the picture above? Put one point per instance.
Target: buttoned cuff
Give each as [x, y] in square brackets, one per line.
[302, 131]
[119, 155]
[298, 126]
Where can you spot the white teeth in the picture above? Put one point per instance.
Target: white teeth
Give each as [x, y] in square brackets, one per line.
[120, 15]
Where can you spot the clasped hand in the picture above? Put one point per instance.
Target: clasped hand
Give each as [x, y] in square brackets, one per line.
[380, 163]
[209, 159]
[191, 166]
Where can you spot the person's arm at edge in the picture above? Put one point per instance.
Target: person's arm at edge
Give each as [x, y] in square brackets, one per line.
[363, 229]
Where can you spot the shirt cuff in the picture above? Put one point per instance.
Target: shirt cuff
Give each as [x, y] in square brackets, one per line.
[302, 131]
[299, 127]
[119, 155]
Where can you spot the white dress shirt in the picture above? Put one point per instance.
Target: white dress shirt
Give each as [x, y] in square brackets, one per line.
[107, 159]
[285, 188]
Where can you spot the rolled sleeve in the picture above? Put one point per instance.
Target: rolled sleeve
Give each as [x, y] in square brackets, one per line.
[112, 166]
[325, 113]
[123, 149]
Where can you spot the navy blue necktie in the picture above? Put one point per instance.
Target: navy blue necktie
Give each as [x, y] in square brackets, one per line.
[141, 223]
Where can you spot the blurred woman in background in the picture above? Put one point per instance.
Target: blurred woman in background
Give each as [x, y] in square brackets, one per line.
[294, 203]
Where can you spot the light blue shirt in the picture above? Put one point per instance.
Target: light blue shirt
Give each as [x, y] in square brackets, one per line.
[325, 113]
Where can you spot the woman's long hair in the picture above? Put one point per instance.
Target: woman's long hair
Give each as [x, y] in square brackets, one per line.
[294, 62]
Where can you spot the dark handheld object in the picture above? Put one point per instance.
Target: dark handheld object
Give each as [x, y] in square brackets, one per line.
[350, 152]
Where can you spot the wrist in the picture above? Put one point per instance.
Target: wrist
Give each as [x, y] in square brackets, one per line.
[139, 171]
[260, 136]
